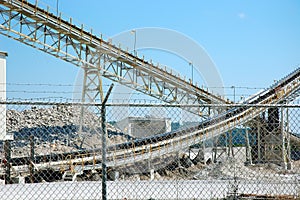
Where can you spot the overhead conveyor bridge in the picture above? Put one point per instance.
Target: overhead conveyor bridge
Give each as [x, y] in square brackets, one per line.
[27, 23]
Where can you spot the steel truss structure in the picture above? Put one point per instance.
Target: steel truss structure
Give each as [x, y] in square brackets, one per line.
[43, 30]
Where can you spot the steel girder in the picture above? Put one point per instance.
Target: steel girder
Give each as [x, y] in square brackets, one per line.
[40, 29]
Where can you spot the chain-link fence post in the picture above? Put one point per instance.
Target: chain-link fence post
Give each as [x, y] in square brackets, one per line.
[31, 161]
[7, 152]
[104, 134]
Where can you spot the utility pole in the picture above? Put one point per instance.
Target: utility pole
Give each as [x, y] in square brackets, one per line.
[57, 7]
[233, 87]
[192, 67]
[134, 44]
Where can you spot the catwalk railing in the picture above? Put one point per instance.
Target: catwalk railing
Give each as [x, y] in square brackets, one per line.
[259, 156]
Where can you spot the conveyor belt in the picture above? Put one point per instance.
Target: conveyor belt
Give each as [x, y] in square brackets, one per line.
[171, 142]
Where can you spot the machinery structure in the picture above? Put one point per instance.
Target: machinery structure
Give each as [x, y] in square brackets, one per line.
[39, 28]
[28, 23]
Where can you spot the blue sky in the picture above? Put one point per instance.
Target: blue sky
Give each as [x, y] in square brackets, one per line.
[252, 43]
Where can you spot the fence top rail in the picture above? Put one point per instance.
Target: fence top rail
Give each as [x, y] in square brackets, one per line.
[289, 105]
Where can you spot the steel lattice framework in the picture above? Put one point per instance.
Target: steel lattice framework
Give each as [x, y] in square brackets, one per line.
[43, 30]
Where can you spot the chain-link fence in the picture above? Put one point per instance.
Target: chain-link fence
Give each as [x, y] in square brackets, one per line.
[153, 151]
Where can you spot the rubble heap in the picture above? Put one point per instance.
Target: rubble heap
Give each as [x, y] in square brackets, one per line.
[58, 126]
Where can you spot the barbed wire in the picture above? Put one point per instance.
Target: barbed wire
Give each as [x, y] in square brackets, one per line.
[237, 87]
[44, 99]
[64, 91]
[107, 85]
[137, 103]
[40, 92]
[47, 84]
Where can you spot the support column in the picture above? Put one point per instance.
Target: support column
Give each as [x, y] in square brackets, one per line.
[83, 101]
[149, 163]
[214, 154]
[259, 142]
[285, 139]
[92, 92]
[214, 149]
[3, 56]
[178, 159]
[203, 152]
[3, 134]
[230, 145]
[248, 148]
